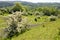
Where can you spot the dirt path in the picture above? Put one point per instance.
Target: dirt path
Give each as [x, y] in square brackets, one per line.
[35, 25]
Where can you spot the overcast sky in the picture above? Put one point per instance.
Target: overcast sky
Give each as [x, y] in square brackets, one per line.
[35, 1]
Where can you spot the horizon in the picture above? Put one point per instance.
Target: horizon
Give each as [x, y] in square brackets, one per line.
[38, 1]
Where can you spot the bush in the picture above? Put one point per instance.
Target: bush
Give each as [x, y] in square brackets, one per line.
[38, 17]
[46, 12]
[1, 13]
[37, 13]
[52, 18]
[25, 14]
[35, 19]
[30, 13]
[14, 25]
[17, 7]
[59, 16]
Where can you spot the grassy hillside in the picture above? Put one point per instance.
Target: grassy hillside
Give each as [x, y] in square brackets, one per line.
[29, 21]
[3, 22]
[49, 32]
[45, 31]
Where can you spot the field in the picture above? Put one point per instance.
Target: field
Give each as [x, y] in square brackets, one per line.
[49, 32]
[29, 21]
[3, 22]
[45, 31]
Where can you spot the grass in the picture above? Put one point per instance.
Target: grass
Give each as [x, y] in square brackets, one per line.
[49, 32]
[32, 21]
[2, 22]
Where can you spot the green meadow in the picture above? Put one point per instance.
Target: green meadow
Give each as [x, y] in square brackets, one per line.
[26, 22]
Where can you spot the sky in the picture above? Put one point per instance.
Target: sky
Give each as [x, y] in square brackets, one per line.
[35, 1]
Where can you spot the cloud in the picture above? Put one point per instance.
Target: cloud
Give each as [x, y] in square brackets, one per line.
[42, 0]
[35, 1]
[10, 0]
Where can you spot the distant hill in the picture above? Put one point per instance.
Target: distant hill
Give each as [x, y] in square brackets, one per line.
[32, 5]
[5, 4]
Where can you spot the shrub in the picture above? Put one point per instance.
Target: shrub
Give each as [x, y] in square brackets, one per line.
[1, 13]
[46, 12]
[17, 7]
[59, 16]
[35, 19]
[37, 13]
[25, 14]
[16, 25]
[38, 17]
[29, 13]
[52, 18]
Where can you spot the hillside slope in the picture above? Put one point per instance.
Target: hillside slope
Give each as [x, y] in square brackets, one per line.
[49, 32]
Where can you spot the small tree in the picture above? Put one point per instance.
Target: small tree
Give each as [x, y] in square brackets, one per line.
[52, 18]
[17, 7]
